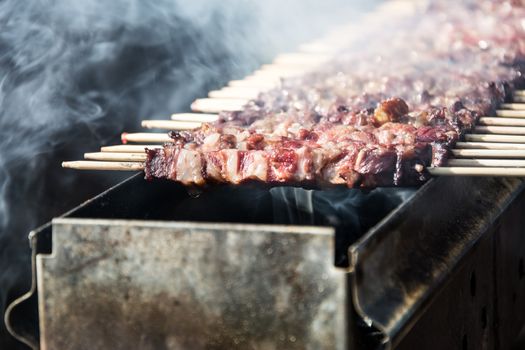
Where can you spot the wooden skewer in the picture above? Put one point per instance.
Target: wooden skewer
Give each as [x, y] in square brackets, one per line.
[495, 138]
[490, 145]
[489, 153]
[508, 113]
[259, 84]
[272, 74]
[141, 157]
[274, 67]
[215, 105]
[262, 79]
[487, 162]
[516, 106]
[194, 120]
[195, 117]
[477, 171]
[128, 148]
[95, 165]
[262, 75]
[145, 137]
[238, 93]
[508, 130]
[502, 121]
[170, 124]
[442, 171]
[301, 58]
[519, 98]
[460, 145]
[116, 156]
[280, 71]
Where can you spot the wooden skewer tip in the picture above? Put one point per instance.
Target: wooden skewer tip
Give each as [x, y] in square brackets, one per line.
[98, 165]
[477, 171]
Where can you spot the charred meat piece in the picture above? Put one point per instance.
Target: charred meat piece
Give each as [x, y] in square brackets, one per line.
[390, 110]
[372, 117]
[338, 155]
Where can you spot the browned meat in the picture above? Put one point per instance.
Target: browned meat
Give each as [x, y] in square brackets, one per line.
[327, 154]
[391, 110]
[376, 116]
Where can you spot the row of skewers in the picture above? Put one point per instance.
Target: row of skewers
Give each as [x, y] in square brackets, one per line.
[495, 148]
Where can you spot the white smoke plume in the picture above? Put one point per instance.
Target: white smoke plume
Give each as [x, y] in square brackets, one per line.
[74, 74]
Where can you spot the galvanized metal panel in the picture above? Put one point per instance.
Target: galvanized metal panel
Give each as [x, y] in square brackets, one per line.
[164, 285]
[510, 275]
[403, 269]
[463, 313]
[400, 267]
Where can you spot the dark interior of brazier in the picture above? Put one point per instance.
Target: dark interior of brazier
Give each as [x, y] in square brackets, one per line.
[350, 211]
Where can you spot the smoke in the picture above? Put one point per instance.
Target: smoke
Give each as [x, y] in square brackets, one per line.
[74, 74]
[350, 212]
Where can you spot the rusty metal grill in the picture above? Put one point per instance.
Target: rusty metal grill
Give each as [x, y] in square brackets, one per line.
[148, 265]
[184, 283]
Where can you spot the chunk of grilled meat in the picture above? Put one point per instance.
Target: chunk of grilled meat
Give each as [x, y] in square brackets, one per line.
[376, 116]
[328, 154]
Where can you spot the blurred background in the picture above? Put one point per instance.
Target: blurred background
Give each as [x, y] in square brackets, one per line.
[74, 74]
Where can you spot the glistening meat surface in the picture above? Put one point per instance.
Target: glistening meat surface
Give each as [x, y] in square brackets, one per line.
[378, 115]
[324, 155]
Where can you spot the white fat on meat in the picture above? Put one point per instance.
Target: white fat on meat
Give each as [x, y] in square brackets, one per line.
[335, 132]
[304, 170]
[320, 157]
[231, 169]
[189, 167]
[211, 142]
[242, 146]
[281, 129]
[293, 129]
[172, 155]
[331, 173]
[395, 134]
[255, 166]
[214, 166]
[242, 136]
[359, 159]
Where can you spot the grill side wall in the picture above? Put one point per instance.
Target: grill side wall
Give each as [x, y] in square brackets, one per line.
[125, 284]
